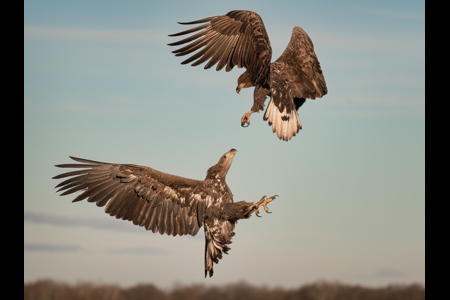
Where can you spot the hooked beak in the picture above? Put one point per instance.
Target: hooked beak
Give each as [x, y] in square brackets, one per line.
[239, 87]
[232, 152]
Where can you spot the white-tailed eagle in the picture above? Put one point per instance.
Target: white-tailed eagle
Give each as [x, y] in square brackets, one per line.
[164, 203]
[239, 38]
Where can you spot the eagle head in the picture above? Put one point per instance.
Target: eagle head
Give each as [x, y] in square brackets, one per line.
[220, 170]
[244, 81]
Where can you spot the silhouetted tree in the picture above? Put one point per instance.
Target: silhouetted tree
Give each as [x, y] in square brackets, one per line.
[320, 290]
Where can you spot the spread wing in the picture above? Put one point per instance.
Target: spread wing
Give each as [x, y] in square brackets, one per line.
[299, 66]
[238, 38]
[155, 200]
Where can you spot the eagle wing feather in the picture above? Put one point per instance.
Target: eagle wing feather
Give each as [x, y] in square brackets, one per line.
[158, 201]
[238, 38]
[299, 66]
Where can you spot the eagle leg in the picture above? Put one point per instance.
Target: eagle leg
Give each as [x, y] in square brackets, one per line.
[263, 202]
[245, 120]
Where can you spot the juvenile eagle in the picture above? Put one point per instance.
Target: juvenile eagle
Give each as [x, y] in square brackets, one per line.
[239, 38]
[165, 203]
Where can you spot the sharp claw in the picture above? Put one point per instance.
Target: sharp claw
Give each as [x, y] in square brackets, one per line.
[245, 120]
[263, 202]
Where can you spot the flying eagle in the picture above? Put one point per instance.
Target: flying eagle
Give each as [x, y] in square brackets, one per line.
[239, 38]
[165, 203]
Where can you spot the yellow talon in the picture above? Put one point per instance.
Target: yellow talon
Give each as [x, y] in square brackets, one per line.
[245, 120]
[263, 202]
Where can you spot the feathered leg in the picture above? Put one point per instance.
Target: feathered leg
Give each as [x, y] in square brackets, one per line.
[259, 96]
[218, 234]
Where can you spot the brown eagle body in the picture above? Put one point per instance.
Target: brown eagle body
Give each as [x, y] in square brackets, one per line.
[164, 203]
[239, 38]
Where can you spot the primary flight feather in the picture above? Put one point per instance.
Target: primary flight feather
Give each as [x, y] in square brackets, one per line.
[239, 38]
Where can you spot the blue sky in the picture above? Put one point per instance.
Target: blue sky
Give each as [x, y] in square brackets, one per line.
[100, 83]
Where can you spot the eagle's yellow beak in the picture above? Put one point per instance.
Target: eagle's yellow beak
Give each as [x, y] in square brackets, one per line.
[232, 152]
[239, 87]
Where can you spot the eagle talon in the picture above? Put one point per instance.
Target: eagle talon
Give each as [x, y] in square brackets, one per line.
[245, 120]
[263, 202]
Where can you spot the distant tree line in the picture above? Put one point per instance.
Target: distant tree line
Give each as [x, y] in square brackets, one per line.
[321, 290]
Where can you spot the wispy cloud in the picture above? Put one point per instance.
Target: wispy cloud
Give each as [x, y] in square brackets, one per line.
[138, 251]
[369, 43]
[49, 247]
[106, 223]
[390, 273]
[108, 105]
[405, 15]
[45, 247]
[54, 33]
[102, 223]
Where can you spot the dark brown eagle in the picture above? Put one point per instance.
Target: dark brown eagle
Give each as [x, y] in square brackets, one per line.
[165, 203]
[239, 38]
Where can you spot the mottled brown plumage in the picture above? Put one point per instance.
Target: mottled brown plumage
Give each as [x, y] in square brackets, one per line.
[162, 202]
[239, 38]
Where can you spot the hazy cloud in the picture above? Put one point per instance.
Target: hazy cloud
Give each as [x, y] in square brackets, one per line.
[370, 43]
[405, 15]
[44, 247]
[115, 106]
[96, 223]
[54, 33]
[139, 251]
[390, 273]
[64, 221]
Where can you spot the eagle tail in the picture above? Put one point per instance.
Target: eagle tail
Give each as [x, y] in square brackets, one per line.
[210, 255]
[216, 238]
[285, 124]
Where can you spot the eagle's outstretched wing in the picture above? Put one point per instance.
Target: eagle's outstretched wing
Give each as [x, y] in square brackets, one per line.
[299, 66]
[238, 38]
[155, 200]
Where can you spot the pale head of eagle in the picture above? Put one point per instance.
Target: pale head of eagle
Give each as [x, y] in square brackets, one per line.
[220, 170]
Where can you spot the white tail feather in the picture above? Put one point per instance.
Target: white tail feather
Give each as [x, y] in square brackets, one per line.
[285, 129]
